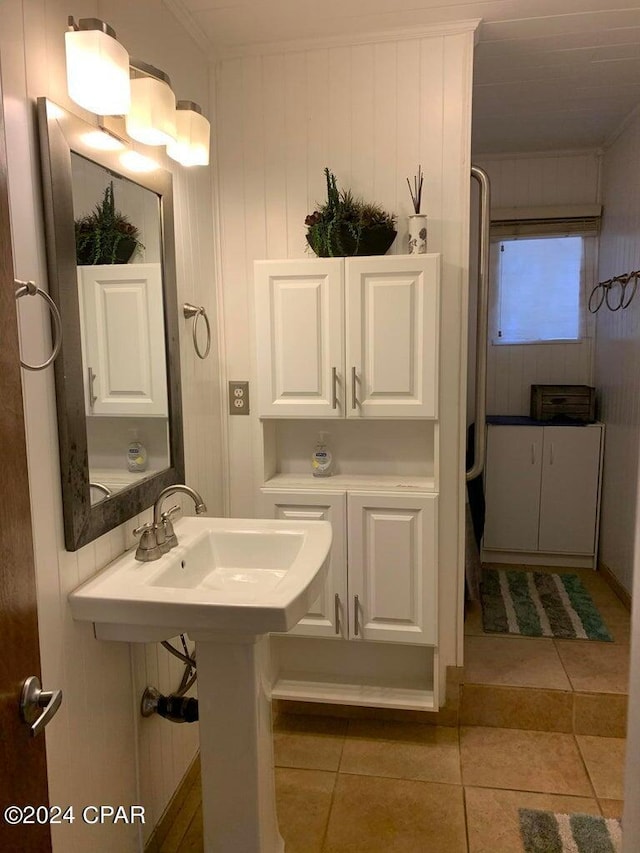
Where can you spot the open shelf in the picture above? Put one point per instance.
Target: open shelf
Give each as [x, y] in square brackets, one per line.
[368, 455]
[368, 482]
[365, 695]
[343, 672]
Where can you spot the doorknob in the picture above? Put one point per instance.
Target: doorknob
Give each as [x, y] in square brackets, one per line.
[38, 706]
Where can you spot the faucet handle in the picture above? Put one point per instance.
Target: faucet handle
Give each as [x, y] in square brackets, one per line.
[169, 513]
[171, 540]
[147, 549]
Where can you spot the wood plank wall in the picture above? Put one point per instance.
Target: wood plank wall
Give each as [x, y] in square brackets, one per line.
[372, 112]
[618, 356]
[99, 749]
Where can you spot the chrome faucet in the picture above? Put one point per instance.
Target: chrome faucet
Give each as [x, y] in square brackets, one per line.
[158, 536]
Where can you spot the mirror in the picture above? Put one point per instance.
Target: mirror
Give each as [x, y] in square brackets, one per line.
[118, 372]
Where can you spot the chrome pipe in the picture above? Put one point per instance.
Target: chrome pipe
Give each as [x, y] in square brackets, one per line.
[482, 324]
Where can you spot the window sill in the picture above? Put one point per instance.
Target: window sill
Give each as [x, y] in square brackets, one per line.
[497, 342]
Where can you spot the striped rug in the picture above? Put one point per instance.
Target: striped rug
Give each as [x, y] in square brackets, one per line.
[537, 604]
[546, 832]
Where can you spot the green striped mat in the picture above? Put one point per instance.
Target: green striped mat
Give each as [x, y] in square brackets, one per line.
[537, 604]
[546, 832]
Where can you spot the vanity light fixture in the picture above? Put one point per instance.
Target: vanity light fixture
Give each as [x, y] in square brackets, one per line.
[102, 79]
[97, 67]
[152, 116]
[191, 148]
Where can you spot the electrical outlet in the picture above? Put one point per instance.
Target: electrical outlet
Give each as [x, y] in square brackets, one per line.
[238, 398]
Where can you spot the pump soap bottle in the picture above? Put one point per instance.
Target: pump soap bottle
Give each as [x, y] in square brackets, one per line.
[321, 459]
[136, 453]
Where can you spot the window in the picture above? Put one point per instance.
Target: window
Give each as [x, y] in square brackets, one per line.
[537, 294]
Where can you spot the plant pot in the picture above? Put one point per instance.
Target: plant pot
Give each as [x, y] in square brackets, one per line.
[124, 250]
[342, 243]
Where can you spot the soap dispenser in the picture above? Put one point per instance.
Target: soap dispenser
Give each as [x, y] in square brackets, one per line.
[136, 453]
[321, 459]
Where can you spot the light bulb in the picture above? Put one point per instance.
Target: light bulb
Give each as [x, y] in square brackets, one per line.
[191, 147]
[97, 68]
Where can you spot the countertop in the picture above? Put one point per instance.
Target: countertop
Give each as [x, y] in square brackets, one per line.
[524, 420]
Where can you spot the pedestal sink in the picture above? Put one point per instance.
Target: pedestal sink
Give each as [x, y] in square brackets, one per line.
[227, 584]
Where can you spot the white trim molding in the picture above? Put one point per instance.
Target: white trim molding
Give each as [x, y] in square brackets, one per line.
[351, 39]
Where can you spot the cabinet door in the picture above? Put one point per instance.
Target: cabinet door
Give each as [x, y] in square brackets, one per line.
[392, 322]
[392, 568]
[569, 494]
[123, 335]
[512, 490]
[299, 338]
[328, 615]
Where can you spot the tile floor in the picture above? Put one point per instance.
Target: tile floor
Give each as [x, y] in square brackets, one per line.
[541, 725]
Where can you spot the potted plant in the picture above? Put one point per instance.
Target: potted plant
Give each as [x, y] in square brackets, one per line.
[345, 225]
[105, 236]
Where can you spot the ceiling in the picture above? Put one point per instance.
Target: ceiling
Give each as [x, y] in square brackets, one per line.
[548, 74]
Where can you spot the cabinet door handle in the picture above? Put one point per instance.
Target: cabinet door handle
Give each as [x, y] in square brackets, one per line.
[356, 615]
[92, 379]
[334, 387]
[354, 379]
[533, 453]
[337, 612]
[551, 454]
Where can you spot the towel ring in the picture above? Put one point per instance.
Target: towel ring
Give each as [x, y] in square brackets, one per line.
[197, 312]
[627, 301]
[100, 487]
[31, 288]
[612, 284]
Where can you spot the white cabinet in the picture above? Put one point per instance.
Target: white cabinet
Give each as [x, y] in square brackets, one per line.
[121, 308]
[512, 487]
[569, 489]
[353, 337]
[351, 346]
[542, 493]
[385, 589]
[325, 618]
[392, 567]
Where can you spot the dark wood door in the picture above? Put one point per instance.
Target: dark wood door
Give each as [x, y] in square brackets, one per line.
[23, 769]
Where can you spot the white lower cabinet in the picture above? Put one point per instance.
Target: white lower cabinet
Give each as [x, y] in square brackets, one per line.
[386, 588]
[379, 603]
[392, 568]
[542, 493]
[326, 617]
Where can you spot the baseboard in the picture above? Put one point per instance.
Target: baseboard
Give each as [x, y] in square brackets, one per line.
[159, 834]
[538, 558]
[615, 584]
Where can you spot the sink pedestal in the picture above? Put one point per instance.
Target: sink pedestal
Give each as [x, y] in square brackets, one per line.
[236, 745]
[228, 584]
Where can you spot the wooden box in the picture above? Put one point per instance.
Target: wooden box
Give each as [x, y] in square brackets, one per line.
[563, 402]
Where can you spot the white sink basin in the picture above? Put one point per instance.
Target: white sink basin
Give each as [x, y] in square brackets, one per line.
[228, 575]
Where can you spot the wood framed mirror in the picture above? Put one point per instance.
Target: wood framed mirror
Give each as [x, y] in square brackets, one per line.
[118, 373]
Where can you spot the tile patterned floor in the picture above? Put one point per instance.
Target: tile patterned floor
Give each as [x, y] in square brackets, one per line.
[346, 786]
